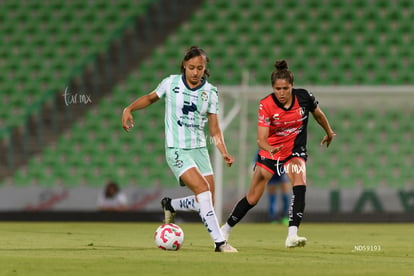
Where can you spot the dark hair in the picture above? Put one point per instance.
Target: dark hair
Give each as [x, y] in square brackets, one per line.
[195, 51]
[111, 185]
[281, 72]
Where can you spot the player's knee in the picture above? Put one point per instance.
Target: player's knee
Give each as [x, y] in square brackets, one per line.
[253, 198]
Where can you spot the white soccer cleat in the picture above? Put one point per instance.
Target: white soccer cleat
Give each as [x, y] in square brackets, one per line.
[226, 248]
[295, 241]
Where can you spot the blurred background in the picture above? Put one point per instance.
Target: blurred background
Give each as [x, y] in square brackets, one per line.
[70, 67]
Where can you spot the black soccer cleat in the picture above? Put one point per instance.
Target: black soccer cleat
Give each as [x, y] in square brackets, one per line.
[169, 212]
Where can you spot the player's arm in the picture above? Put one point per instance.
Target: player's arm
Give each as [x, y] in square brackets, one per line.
[217, 136]
[262, 135]
[322, 120]
[140, 103]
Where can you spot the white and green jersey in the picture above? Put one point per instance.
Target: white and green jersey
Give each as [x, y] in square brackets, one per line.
[186, 111]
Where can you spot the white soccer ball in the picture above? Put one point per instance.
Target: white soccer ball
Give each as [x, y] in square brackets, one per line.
[169, 237]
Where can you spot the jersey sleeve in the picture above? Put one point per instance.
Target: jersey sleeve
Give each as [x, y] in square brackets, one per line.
[263, 115]
[161, 89]
[313, 103]
[213, 106]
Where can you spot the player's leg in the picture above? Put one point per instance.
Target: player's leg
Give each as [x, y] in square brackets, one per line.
[296, 171]
[200, 187]
[189, 203]
[257, 186]
[201, 160]
[212, 186]
[179, 160]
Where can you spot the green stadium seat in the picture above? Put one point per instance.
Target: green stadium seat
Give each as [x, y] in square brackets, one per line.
[21, 24]
[21, 179]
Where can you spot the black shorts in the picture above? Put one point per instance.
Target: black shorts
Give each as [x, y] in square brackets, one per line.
[275, 166]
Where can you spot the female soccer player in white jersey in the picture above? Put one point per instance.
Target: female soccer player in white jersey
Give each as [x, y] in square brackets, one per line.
[190, 102]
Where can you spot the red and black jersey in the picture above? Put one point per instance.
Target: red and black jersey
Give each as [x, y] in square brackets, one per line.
[287, 126]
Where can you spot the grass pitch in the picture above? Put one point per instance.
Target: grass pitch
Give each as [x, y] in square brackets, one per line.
[129, 249]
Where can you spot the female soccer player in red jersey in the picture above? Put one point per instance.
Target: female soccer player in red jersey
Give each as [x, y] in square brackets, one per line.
[281, 137]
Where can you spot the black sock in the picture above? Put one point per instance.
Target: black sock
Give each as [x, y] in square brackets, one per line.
[297, 205]
[218, 244]
[239, 211]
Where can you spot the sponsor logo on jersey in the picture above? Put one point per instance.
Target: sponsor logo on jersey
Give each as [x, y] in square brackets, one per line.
[176, 89]
[187, 108]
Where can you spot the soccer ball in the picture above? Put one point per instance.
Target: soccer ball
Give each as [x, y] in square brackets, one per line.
[169, 237]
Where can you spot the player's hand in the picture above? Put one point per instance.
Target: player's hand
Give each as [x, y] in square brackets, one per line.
[127, 120]
[328, 139]
[228, 159]
[275, 149]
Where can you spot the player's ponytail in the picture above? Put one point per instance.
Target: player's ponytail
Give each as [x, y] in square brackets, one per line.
[281, 72]
[281, 65]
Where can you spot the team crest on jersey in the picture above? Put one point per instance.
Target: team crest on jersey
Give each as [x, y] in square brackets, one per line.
[204, 96]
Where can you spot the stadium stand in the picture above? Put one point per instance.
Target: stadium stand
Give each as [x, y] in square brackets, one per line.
[47, 39]
[70, 35]
[334, 43]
